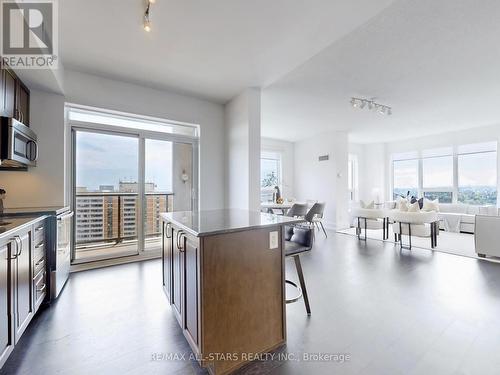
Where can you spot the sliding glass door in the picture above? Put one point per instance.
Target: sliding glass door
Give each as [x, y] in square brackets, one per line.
[105, 197]
[122, 182]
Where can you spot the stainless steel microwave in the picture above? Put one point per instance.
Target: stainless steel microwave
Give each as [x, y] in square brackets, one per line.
[18, 144]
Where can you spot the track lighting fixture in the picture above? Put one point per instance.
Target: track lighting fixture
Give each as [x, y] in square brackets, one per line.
[147, 16]
[371, 105]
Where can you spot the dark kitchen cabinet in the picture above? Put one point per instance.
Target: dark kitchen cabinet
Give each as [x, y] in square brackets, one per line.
[6, 301]
[177, 274]
[23, 283]
[181, 278]
[191, 291]
[9, 93]
[167, 260]
[14, 96]
[23, 103]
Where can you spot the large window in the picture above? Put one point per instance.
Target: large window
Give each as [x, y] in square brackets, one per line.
[270, 175]
[465, 174]
[405, 177]
[477, 174]
[437, 174]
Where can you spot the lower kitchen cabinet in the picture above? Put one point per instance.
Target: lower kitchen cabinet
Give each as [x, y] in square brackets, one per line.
[226, 287]
[181, 278]
[6, 327]
[167, 260]
[22, 283]
[190, 245]
[177, 276]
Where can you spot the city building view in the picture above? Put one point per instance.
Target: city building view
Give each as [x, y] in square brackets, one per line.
[110, 217]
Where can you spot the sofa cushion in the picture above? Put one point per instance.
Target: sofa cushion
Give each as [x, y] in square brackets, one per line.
[368, 213]
[453, 208]
[488, 210]
[469, 219]
[418, 230]
[413, 217]
[472, 210]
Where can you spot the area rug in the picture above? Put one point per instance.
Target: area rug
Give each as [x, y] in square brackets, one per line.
[452, 243]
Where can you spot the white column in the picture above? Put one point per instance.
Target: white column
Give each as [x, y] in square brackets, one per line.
[242, 123]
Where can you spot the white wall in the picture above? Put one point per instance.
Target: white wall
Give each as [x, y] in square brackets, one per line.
[324, 181]
[286, 150]
[242, 124]
[100, 92]
[43, 185]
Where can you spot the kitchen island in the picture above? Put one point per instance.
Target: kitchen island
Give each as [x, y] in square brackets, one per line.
[224, 276]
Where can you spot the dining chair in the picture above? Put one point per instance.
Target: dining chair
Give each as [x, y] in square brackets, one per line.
[297, 210]
[315, 216]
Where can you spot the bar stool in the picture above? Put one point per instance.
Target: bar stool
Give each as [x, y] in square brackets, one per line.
[297, 241]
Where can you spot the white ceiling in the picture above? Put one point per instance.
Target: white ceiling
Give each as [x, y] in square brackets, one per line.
[212, 49]
[435, 62]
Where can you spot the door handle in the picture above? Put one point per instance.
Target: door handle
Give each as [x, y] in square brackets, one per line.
[180, 234]
[20, 247]
[168, 226]
[14, 239]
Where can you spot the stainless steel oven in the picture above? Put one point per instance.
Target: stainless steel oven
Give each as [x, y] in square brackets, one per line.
[18, 144]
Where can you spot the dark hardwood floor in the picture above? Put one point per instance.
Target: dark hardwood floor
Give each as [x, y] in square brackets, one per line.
[393, 312]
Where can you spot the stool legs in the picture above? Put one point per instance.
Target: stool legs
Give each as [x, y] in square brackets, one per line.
[298, 266]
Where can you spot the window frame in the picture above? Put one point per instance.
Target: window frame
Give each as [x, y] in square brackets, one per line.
[454, 189]
[275, 156]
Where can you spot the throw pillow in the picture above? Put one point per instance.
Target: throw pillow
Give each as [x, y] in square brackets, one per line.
[369, 206]
[431, 205]
[399, 200]
[420, 201]
[414, 207]
[403, 205]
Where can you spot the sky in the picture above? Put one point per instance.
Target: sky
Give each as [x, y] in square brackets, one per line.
[104, 159]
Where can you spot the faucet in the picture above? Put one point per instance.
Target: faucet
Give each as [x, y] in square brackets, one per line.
[2, 197]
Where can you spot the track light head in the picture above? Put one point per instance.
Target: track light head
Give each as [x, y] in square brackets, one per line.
[371, 105]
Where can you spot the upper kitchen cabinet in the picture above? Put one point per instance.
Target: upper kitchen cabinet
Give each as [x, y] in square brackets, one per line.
[14, 96]
[23, 102]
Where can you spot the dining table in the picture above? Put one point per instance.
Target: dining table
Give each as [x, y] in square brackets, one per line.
[272, 207]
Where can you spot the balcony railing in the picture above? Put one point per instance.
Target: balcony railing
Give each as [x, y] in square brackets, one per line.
[109, 219]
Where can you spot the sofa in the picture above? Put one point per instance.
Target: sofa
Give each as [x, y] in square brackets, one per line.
[461, 217]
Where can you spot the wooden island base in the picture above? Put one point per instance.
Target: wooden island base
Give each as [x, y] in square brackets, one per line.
[226, 287]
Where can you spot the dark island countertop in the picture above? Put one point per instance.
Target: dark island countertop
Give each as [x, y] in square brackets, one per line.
[209, 222]
[9, 224]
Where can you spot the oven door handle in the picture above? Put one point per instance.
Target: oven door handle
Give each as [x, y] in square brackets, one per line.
[65, 216]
